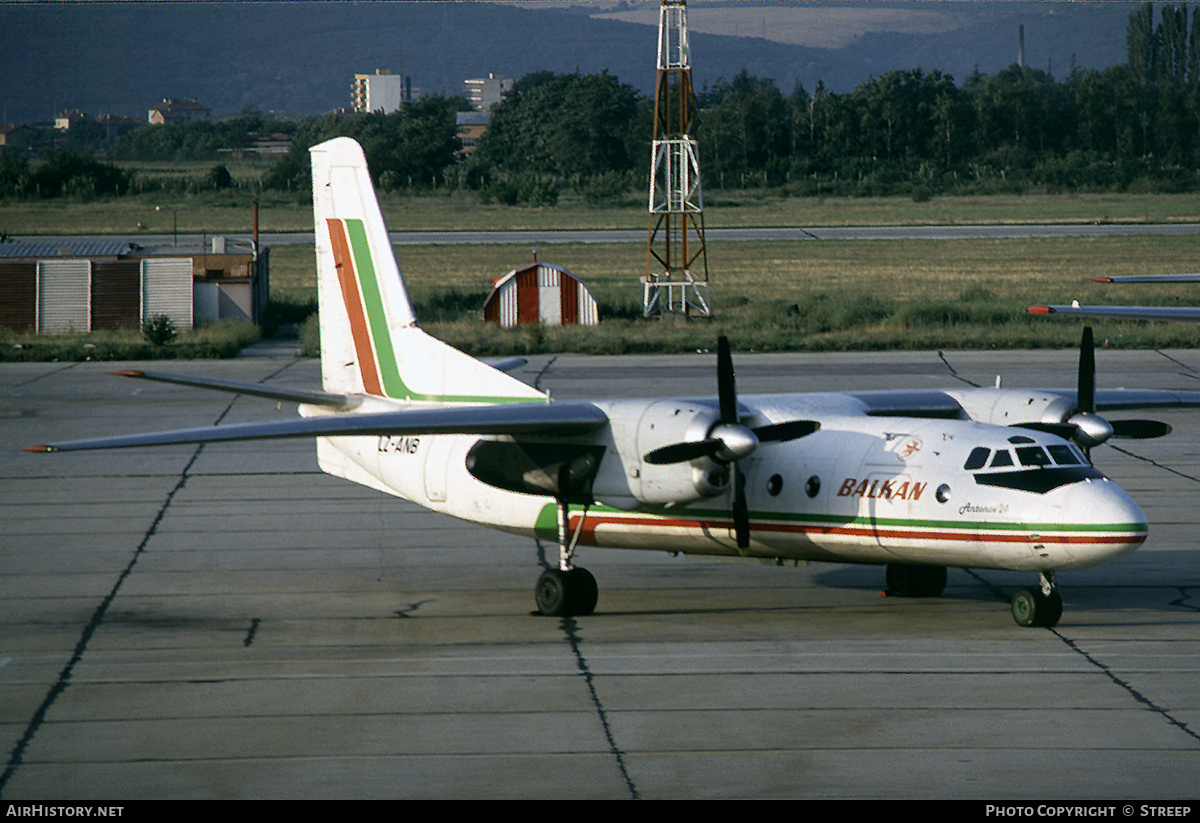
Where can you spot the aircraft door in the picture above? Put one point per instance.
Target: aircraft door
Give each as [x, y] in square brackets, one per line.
[437, 466]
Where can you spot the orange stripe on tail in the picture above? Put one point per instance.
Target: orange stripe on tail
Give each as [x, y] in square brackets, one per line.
[351, 297]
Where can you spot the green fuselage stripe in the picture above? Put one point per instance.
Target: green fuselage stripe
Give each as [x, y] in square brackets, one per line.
[548, 520]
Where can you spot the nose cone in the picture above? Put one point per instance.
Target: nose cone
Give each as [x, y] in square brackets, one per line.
[1099, 522]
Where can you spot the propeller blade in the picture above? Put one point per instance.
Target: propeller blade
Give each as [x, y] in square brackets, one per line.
[741, 512]
[788, 430]
[1086, 394]
[1139, 429]
[683, 452]
[726, 384]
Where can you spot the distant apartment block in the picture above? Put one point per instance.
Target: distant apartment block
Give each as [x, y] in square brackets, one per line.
[178, 110]
[381, 91]
[485, 92]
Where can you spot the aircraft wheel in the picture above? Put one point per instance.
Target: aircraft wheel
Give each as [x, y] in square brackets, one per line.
[911, 580]
[566, 593]
[551, 593]
[1031, 608]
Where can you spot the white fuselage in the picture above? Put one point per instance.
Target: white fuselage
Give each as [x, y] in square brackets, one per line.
[861, 490]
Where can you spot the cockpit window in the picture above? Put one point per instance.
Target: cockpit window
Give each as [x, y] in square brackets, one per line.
[1003, 458]
[1064, 455]
[977, 458]
[1033, 456]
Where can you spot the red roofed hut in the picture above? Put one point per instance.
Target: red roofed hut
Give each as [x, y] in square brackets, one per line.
[540, 293]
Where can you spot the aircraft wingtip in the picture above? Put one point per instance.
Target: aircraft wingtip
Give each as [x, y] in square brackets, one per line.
[128, 373]
[40, 448]
[1040, 310]
[1101, 279]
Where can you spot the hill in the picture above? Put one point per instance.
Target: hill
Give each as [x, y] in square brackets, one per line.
[300, 58]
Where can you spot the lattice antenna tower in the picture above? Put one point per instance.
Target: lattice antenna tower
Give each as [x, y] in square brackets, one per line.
[676, 283]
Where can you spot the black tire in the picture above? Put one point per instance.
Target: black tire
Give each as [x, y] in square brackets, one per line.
[1032, 609]
[552, 593]
[1052, 609]
[582, 591]
[911, 580]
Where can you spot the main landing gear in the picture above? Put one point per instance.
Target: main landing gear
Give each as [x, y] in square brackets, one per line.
[568, 590]
[912, 580]
[1040, 607]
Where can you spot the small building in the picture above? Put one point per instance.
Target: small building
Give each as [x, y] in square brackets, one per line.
[16, 137]
[471, 126]
[540, 293]
[53, 287]
[178, 110]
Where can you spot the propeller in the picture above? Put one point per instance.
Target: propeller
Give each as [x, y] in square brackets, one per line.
[729, 441]
[1082, 425]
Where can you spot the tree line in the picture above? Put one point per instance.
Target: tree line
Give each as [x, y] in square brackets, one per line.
[1130, 127]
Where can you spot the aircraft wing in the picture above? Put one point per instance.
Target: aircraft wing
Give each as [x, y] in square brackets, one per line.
[1149, 278]
[1177, 313]
[518, 418]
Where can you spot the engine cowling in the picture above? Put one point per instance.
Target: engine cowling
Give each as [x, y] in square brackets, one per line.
[629, 482]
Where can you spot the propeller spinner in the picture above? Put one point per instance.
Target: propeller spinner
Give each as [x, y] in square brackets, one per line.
[729, 441]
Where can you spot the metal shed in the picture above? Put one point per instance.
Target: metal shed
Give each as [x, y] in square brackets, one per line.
[540, 293]
[68, 286]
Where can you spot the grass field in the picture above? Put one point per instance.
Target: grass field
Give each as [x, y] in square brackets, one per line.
[767, 296]
[231, 212]
[809, 295]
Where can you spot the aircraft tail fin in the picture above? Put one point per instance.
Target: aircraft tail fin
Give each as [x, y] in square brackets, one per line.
[370, 341]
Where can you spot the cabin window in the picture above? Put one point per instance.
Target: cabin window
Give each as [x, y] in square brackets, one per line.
[977, 459]
[1033, 456]
[1003, 458]
[1063, 455]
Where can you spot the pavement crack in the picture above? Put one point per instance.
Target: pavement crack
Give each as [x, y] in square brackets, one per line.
[1184, 601]
[1149, 704]
[64, 677]
[571, 630]
[1154, 463]
[953, 372]
[537, 378]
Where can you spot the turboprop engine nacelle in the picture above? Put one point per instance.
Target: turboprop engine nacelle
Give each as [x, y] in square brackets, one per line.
[627, 481]
[1009, 407]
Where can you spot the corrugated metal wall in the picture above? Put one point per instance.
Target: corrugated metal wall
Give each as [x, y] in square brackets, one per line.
[80, 295]
[167, 289]
[18, 296]
[116, 295]
[64, 296]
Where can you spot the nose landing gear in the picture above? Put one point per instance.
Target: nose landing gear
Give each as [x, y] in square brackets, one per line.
[1038, 608]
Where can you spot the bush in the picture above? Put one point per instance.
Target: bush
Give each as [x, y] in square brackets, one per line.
[159, 330]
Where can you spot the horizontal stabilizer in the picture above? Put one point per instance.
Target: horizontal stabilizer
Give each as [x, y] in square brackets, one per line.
[542, 419]
[340, 402]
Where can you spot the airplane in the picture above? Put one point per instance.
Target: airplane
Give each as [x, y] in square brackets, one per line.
[914, 480]
[1189, 314]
